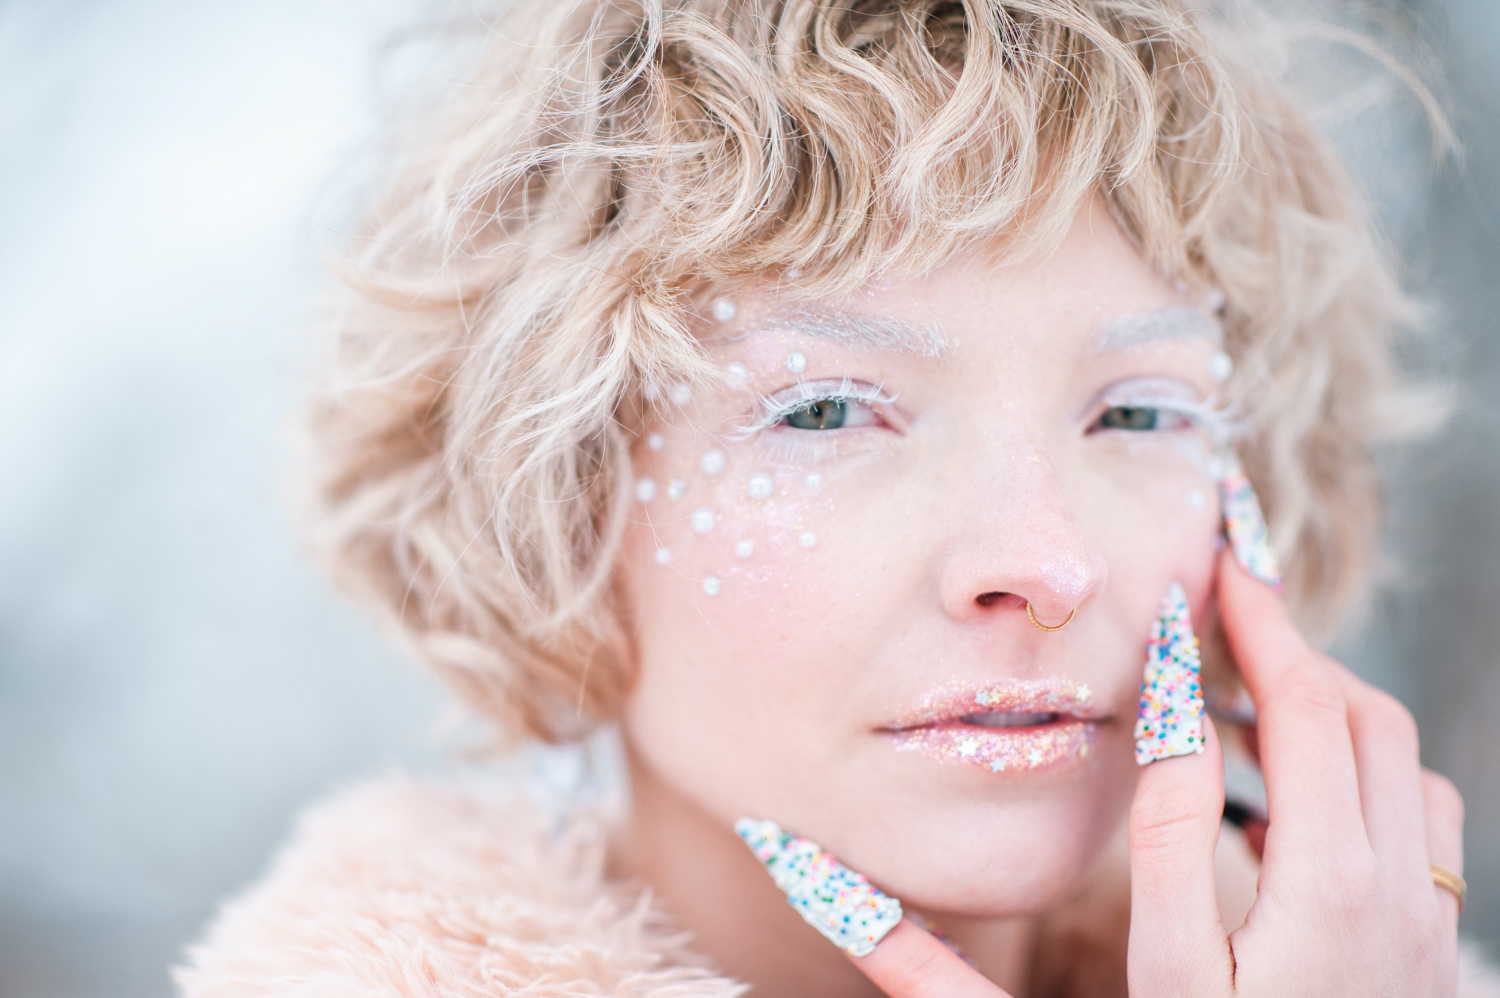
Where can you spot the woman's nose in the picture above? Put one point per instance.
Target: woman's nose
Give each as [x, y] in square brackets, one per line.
[1025, 547]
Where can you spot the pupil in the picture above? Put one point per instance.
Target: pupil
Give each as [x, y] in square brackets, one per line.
[824, 414]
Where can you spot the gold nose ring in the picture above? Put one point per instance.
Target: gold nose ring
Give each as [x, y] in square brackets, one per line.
[1041, 626]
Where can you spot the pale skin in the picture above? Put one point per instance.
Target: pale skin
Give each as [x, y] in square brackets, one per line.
[896, 553]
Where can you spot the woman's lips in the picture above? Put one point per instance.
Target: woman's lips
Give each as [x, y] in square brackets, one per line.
[1004, 726]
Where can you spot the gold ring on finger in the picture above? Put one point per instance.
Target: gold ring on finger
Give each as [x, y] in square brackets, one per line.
[1452, 883]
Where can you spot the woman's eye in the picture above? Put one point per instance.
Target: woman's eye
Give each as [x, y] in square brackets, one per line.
[829, 414]
[1140, 417]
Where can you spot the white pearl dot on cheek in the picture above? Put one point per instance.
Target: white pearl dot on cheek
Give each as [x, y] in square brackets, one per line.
[813, 480]
[723, 309]
[744, 549]
[1196, 499]
[663, 556]
[711, 585]
[645, 489]
[703, 520]
[807, 538]
[738, 370]
[759, 486]
[1221, 366]
[655, 442]
[676, 488]
[712, 461]
[680, 393]
[796, 363]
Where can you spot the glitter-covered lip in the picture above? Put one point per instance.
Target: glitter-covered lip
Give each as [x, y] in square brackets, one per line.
[948, 705]
[1033, 724]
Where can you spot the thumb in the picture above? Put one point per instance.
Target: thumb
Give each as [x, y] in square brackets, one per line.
[1177, 942]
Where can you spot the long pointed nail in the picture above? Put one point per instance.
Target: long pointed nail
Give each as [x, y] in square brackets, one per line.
[846, 908]
[1171, 718]
[1246, 524]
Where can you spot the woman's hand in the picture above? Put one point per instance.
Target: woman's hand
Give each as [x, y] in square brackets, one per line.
[1346, 904]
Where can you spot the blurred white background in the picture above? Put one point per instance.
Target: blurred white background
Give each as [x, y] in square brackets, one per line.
[174, 683]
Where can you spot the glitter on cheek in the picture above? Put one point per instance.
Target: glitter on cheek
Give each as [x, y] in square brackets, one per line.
[645, 489]
[1221, 366]
[1000, 750]
[796, 363]
[712, 462]
[759, 486]
[703, 520]
[676, 488]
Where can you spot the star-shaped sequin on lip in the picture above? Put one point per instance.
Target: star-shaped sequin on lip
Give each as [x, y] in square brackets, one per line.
[1084, 693]
[968, 747]
[1034, 757]
[984, 698]
[996, 765]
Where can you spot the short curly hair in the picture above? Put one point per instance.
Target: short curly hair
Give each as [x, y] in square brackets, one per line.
[525, 277]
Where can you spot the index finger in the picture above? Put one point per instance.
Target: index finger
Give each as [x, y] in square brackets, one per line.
[911, 962]
[1312, 788]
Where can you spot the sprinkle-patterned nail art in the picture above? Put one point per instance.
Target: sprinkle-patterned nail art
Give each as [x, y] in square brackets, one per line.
[1171, 717]
[846, 908]
[1246, 524]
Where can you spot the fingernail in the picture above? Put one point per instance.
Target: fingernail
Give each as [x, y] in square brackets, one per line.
[1245, 523]
[1171, 718]
[846, 908]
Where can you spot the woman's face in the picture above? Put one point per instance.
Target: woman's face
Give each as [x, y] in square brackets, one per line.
[830, 576]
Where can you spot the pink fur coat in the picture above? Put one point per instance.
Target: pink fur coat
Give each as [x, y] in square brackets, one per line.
[398, 890]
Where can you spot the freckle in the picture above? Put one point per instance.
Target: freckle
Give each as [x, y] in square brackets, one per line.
[712, 461]
[663, 556]
[807, 538]
[759, 486]
[724, 309]
[744, 549]
[676, 489]
[1221, 366]
[645, 489]
[680, 393]
[796, 363]
[711, 585]
[738, 370]
[813, 480]
[703, 520]
[655, 442]
[1196, 500]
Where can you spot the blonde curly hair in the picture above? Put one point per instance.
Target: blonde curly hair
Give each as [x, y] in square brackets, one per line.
[524, 281]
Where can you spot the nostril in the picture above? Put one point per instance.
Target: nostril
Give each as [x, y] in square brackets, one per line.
[989, 599]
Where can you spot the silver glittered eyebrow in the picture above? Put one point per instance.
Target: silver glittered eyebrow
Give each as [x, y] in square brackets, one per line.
[1176, 323]
[881, 332]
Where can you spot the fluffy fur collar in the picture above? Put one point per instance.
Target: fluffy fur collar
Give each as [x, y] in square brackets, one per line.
[398, 890]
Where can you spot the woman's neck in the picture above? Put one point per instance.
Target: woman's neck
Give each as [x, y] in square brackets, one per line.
[716, 889]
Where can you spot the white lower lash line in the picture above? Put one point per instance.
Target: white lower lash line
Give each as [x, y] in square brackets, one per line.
[1217, 423]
